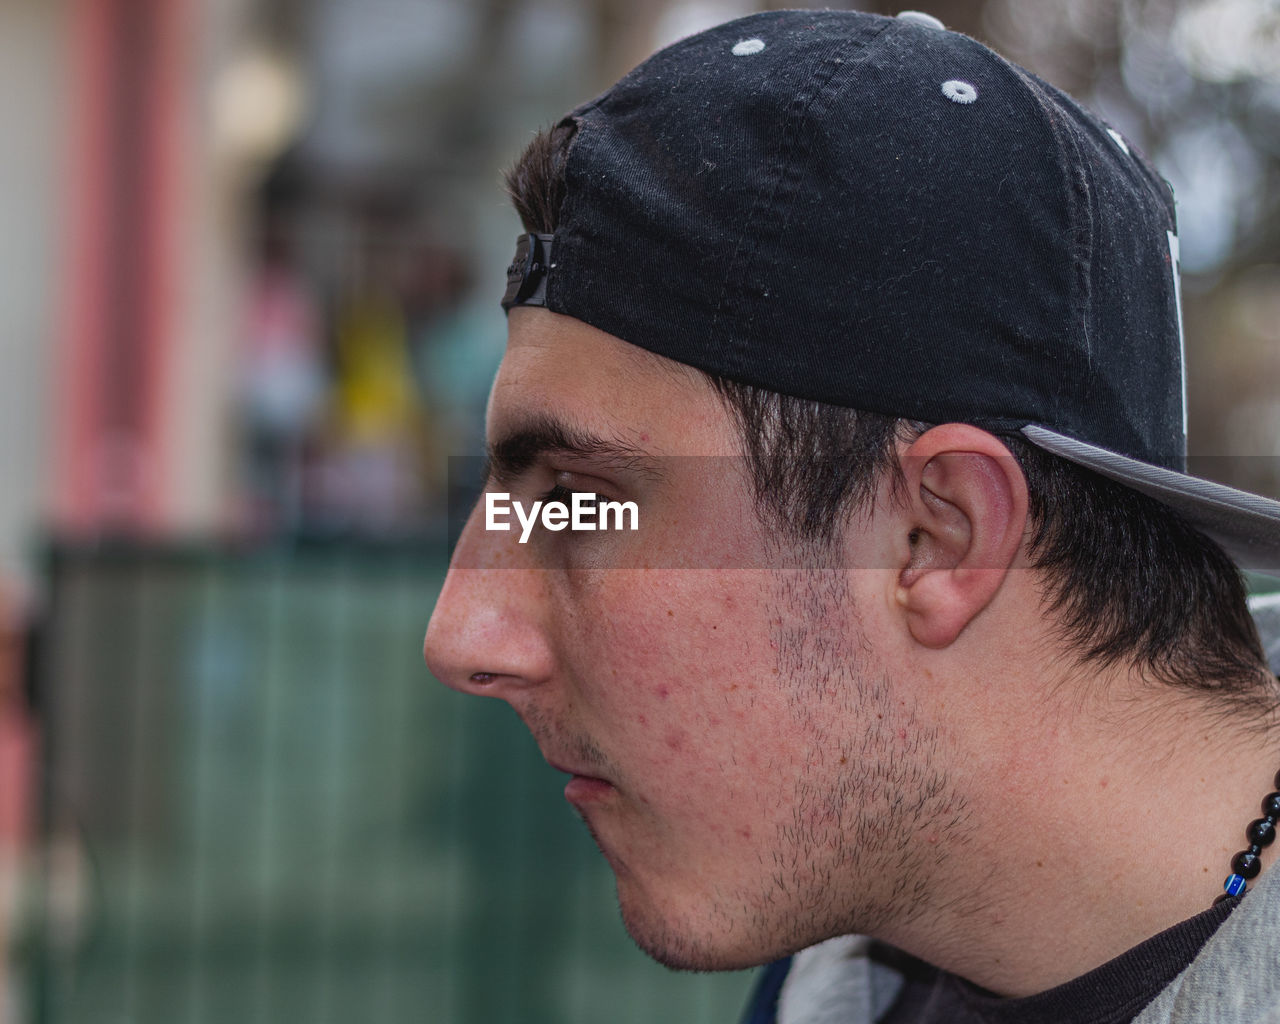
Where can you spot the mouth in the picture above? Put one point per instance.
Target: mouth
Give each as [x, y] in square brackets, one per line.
[583, 788]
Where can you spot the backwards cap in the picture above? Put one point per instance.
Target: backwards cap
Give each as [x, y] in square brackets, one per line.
[880, 214]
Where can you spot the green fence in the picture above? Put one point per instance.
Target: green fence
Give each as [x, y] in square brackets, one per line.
[259, 807]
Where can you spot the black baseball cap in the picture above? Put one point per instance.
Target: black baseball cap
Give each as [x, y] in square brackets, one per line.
[881, 214]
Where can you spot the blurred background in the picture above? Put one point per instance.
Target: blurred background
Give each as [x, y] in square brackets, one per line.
[250, 258]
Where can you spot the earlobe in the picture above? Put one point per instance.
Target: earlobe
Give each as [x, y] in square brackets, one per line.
[966, 511]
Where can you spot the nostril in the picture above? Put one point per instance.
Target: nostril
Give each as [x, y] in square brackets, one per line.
[482, 677]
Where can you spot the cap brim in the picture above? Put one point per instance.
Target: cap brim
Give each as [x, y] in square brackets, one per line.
[1265, 609]
[1246, 525]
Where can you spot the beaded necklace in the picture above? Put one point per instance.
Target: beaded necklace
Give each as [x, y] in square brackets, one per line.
[1261, 832]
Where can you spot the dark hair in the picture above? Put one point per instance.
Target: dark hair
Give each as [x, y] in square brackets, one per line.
[1126, 578]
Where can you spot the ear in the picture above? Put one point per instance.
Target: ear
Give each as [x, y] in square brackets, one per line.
[964, 513]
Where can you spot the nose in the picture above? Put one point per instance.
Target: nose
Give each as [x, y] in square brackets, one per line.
[487, 633]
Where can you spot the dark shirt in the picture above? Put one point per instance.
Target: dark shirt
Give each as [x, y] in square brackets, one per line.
[1113, 993]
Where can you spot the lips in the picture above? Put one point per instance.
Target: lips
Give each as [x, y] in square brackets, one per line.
[583, 788]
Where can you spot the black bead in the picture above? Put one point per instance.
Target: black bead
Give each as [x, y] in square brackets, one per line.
[1261, 832]
[1277, 780]
[1246, 864]
[1255, 849]
[1271, 805]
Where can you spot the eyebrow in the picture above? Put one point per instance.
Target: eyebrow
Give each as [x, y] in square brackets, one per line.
[518, 450]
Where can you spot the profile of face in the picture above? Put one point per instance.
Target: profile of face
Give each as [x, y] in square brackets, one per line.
[733, 716]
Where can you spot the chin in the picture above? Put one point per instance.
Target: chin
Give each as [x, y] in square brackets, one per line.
[688, 941]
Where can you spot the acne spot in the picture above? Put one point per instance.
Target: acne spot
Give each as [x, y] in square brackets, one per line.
[642, 720]
[664, 692]
[670, 613]
[1102, 783]
[902, 735]
[675, 741]
[745, 832]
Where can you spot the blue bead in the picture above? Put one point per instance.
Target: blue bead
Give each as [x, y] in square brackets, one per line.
[1234, 885]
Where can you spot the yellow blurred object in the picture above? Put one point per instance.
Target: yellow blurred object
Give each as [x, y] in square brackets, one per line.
[376, 398]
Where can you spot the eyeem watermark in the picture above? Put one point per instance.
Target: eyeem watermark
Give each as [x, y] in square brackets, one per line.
[584, 512]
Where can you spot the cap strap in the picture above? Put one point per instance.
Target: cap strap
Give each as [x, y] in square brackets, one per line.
[527, 275]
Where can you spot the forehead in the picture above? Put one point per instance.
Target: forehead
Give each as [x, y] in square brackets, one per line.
[556, 365]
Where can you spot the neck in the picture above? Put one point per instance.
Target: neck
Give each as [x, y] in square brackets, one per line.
[1094, 830]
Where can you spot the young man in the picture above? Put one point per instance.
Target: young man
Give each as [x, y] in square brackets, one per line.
[922, 634]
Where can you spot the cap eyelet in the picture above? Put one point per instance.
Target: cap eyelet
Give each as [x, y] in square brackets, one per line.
[959, 92]
[920, 18]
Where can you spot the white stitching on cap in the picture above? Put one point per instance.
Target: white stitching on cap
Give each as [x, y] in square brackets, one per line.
[747, 47]
[1119, 140]
[959, 92]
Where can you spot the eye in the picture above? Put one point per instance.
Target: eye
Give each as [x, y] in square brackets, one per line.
[559, 493]
[566, 483]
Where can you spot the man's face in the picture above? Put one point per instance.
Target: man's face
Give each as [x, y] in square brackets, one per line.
[741, 751]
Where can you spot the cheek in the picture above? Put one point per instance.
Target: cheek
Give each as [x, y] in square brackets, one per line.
[687, 677]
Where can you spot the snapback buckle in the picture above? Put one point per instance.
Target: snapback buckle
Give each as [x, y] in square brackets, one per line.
[527, 275]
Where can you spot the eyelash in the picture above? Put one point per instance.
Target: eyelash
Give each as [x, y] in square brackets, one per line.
[563, 494]
[558, 493]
